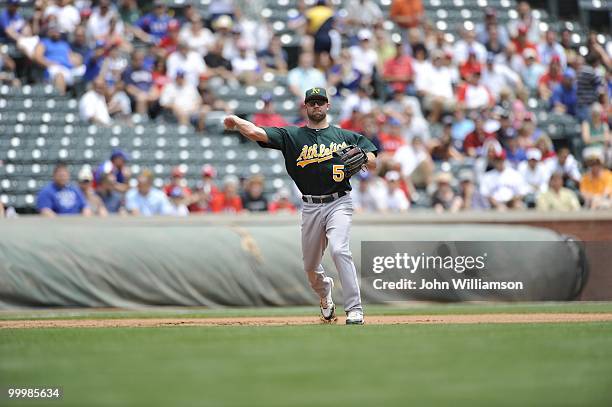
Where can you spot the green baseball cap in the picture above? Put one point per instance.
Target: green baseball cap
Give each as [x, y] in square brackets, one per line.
[315, 93]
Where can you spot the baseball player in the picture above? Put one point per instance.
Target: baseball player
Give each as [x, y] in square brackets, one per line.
[321, 158]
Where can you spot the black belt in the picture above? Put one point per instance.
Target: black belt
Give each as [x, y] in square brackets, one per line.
[321, 199]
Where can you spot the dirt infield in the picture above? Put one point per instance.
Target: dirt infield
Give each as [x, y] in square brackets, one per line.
[279, 321]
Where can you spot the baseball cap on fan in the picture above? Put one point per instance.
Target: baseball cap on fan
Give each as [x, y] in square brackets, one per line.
[177, 172]
[315, 94]
[392, 176]
[394, 121]
[266, 97]
[593, 154]
[569, 73]
[364, 35]
[118, 153]
[500, 155]
[534, 154]
[208, 171]
[85, 175]
[530, 53]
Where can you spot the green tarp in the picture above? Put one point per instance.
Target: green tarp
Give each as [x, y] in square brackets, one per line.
[136, 262]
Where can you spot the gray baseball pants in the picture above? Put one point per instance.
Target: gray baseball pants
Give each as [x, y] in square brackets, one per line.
[324, 224]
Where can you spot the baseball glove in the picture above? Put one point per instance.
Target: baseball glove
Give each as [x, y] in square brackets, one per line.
[353, 157]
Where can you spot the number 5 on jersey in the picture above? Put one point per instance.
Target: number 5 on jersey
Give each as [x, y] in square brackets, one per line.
[338, 172]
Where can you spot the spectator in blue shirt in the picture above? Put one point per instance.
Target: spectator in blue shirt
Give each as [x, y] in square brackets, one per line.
[146, 200]
[60, 197]
[116, 166]
[57, 57]
[11, 22]
[138, 82]
[94, 60]
[343, 75]
[564, 98]
[514, 152]
[462, 126]
[152, 27]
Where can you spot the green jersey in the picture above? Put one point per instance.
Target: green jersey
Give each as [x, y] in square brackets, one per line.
[308, 156]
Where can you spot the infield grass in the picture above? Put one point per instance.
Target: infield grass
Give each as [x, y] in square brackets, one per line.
[562, 364]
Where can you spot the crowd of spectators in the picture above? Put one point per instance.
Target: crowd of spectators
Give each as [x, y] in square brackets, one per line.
[429, 101]
[120, 60]
[433, 105]
[107, 189]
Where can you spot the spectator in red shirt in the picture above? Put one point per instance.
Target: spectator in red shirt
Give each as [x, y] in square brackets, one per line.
[228, 200]
[170, 42]
[206, 190]
[521, 42]
[550, 79]
[398, 71]
[470, 66]
[177, 180]
[160, 78]
[282, 203]
[392, 139]
[179, 193]
[268, 116]
[473, 142]
[354, 122]
[473, 94]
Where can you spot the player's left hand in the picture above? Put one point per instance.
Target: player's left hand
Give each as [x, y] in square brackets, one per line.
[354, 159]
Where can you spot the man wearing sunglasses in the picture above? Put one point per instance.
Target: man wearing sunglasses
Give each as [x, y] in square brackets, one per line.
[320, 177]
